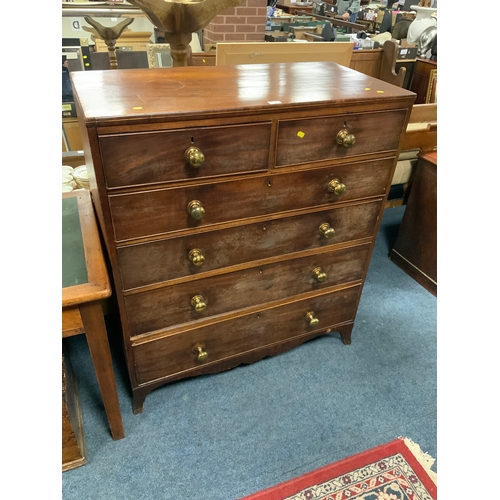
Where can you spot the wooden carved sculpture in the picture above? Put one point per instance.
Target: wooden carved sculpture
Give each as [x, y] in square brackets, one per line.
[179, 19]
[109, 35]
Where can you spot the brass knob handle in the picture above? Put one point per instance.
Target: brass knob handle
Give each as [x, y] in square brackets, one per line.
[194, 156]
[195, 210]
[311, 319]
[344, 138]
[336, 187]
[196, 257]
[199, 349]
[198, 302]
[319, 274]
[326, 230]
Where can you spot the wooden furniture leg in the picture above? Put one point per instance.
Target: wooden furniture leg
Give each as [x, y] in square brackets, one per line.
[138, 398]
[345, 333]
[97, 339]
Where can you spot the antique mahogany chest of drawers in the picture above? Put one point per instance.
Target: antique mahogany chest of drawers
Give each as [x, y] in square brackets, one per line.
[239, 205]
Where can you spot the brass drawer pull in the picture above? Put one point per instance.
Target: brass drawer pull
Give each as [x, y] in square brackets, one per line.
[319, 274]
[344, 138]
[195, 210]
[198, 302]
[199, 349]
[194, 156]
[336, 187]
[196, 257]
[311, 318]
[326, 230]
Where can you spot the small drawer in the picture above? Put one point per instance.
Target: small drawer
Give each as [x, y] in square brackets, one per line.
[201, 299]
[165, 210]
[172, 258]
[191, 349]
[314, 139]
[154, 157]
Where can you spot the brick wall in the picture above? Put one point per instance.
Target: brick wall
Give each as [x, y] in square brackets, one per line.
[244, 23]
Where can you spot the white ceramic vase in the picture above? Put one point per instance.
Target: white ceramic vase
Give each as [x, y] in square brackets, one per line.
[422, 21]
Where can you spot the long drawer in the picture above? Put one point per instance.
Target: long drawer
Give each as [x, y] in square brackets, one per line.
[167, 259]
[178, 353]
[313, 139]
[150, 157]
[207, 297]
[165, 210]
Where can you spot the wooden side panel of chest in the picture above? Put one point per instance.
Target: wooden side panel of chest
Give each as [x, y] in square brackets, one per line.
[239, 210]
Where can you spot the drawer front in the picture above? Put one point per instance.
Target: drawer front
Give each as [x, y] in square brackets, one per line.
[166, 210]
[314, 139]
[168, 259]
[175, 305]
[151, 157]
[177, 353]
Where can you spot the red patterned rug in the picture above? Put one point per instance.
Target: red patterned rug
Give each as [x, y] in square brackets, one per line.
[398, 470]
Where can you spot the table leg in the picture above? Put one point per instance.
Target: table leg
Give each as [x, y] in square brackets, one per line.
[97, 339]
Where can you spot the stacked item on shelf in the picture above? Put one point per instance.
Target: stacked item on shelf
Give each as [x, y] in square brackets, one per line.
[68, 183]
[74, 178]
[81, 177]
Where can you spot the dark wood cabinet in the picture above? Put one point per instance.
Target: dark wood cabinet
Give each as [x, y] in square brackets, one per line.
[415, 250]
[424, 81]
[239, 205]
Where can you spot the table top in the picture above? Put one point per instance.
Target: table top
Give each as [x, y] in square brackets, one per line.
[430, 156]
[84, 273]
[120, 97]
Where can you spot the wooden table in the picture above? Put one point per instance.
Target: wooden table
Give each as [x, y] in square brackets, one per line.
[415, 250]
[85, 284]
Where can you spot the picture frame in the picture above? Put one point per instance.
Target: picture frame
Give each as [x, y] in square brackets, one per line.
[431, 96]
[266, 52]
[159, 55]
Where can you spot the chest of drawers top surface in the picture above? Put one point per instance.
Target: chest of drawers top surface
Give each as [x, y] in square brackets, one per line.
[137, 94]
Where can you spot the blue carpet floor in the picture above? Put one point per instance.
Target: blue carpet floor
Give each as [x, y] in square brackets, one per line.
[223, 436]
